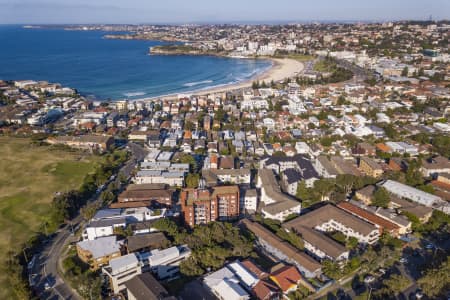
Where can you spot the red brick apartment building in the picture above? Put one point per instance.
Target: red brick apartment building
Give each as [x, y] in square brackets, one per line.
[201, 206]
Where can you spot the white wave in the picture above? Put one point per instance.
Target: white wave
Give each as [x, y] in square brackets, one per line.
[189, 84]
[134, 94]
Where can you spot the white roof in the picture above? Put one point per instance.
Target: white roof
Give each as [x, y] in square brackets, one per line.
[248, 278]
[408, 192]
[230, 290]
[215, 278]
[161, 257]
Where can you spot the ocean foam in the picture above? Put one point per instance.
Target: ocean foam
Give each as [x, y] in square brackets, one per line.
[134, 94]
[189, 84]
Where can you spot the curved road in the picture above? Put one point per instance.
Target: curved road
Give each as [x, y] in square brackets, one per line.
[44, 269]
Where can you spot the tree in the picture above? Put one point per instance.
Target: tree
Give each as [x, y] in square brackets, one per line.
[324, 187]
[188, 159]
[331, 269]
[192, 180]
[190, 268]
[436, 281]
[381, 197]
[405, 71]
[188, 125]
[396, 283]
[351, 243]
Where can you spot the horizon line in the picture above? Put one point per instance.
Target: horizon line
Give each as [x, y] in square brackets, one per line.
[230, 22]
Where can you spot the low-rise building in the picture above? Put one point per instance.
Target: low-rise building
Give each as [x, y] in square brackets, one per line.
[145, 287]
[282, 250]
[85, 142]
[370, 167]
[99, 252]
[327, 218]
[405, 191]
[434, 166]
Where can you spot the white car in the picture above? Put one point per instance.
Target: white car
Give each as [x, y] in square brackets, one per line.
[403, 260]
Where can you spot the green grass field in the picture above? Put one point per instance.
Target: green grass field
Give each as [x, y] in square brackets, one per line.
[29, 177]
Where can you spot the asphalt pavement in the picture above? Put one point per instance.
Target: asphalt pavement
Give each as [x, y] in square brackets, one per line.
[44, 270]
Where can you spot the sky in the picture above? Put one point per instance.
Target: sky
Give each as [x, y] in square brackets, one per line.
[216, 11]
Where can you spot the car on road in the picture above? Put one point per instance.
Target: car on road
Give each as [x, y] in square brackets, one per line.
[403, 260]
[47, 286]
[429, 246]
[418, 294]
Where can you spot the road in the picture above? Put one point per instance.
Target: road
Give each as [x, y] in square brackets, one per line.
[46, 262]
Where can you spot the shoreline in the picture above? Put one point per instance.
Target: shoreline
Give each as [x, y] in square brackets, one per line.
[281, 69]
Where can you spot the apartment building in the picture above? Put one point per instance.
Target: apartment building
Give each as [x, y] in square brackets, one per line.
[277, 205]
[99, 252]
[282, 250]
[201, 206]
[370, 167]
[327, 218]
[163, 263]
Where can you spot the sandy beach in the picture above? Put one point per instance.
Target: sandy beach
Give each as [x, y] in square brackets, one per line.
[281, 69]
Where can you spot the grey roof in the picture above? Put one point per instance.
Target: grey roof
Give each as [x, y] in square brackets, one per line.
[101, 247]
[107, 213]
[150, 240]
[123, 263]
[272, 189]
[292, 175]
[326, 164]
[107, 222]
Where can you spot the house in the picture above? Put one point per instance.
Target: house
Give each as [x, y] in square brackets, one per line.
[282, 250]
[146, 287]
[365, 194]
[277, 205]
[370, 167]
[364, 149]
[423, 213]
[288, 278]
[98, 252]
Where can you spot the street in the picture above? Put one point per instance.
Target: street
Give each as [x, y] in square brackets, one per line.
[44, 270]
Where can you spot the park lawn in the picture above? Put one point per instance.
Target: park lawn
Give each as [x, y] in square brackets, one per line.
[324, 66]
[30, 176]
[300, 57]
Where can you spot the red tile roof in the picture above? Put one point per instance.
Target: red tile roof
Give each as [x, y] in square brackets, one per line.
[263, 290]
[286, 278]
[363, 214]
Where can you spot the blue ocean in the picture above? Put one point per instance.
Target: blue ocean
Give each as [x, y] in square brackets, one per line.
[112, 69]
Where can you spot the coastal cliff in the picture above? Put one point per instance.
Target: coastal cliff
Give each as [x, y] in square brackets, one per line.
[182, 50]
